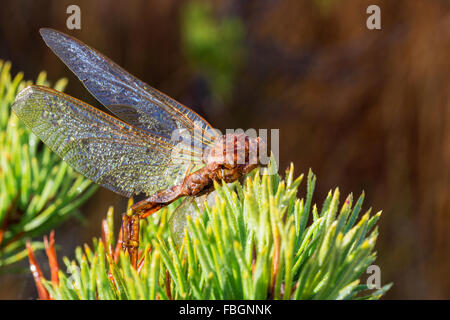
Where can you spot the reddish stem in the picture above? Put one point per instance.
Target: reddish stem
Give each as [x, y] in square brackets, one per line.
[141, 263]
[118, 247]
[51, 254]
[168, 292]
[37, 275]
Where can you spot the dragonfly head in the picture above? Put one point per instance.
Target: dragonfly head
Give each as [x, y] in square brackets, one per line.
[236, 150]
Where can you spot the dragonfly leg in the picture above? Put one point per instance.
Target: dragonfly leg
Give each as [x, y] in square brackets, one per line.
[130, 225]
[151, 211]
[130, 231]
[130, 236]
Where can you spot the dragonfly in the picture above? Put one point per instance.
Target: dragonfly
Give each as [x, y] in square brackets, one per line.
[142, 147]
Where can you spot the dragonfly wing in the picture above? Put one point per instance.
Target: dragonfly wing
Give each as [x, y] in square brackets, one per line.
[104, 149]
[178, 220]
[190, 206]
[127, 113]
[112, 85]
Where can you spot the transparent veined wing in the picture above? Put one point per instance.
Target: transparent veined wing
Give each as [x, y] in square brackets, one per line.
[189, 206]
[124, 94]
[108, 151]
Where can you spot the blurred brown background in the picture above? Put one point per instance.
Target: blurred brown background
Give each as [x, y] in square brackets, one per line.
[365, 109]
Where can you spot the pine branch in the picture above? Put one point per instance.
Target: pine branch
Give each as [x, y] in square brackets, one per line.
[38, 190]
[255, 242]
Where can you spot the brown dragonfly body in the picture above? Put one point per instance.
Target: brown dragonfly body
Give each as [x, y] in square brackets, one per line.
[135, 151]
[226, 168]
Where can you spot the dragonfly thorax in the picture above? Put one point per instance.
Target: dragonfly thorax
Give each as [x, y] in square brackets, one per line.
[234, 151]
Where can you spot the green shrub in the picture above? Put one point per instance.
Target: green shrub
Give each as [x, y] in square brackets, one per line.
[37, 189]
[255, 242]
